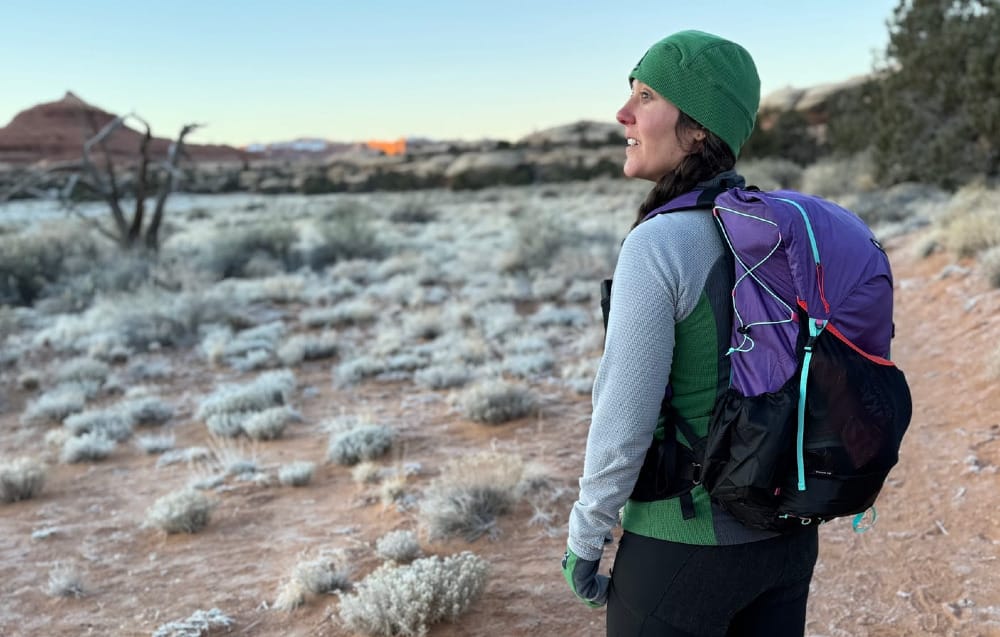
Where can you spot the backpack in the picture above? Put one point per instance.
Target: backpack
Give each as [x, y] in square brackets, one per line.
[815, 411]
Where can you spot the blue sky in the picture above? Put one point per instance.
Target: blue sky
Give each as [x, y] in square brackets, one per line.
[352, 70]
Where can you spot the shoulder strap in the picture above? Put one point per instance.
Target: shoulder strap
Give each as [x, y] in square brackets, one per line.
[692, 200]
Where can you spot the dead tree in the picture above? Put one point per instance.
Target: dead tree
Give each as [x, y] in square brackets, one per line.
[127, 232]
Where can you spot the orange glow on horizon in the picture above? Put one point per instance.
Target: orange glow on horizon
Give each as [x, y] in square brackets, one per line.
[397, 147]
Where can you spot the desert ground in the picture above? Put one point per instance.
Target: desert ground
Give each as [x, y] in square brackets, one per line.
[502, 284]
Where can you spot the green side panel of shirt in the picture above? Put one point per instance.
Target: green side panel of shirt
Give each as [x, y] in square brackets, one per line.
[695, 377]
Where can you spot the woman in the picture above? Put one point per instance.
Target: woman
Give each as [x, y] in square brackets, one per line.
[684, 567]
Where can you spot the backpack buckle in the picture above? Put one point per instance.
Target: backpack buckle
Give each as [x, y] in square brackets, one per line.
[696, 469]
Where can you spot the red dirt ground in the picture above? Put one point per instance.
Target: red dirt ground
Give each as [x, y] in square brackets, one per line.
[927, 568]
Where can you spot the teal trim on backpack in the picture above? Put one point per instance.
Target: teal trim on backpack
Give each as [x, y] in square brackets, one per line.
[816, 327]
[809, 229]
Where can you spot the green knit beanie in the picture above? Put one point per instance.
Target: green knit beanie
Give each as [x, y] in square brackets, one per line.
[711, 79]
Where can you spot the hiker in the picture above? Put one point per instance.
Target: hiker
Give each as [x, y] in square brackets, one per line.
[684, 566]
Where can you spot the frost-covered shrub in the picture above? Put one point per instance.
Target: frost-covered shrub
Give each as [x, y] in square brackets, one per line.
[361, 442]
[109, 423]
[398, 546]
[405, 600]
[306, 347]
[366, 473]
[21, 479]
[345, 233]
[469, 494]
[296, 474]
[233, 250]
[357, 369]
[496, 401]
[270, 423]
[270, 389]
[54, 405]
[200, 624]
[350, 312]
[65, 581]
[93, 445]
[443, 376]
[185, 511]
[311, 577]
[527, 365]
[155, 444]
[227, 424]
[82, 369]
[147, 410]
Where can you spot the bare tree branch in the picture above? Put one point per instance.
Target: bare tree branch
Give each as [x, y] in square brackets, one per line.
[110, 189]
[173, 155]
[140, 185]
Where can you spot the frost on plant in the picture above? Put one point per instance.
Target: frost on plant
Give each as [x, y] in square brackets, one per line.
[54, 405]
[199, 624]
[270, 389]
[65, 581]
[94, 445]
[496, 401]
[311, 577]
[398, 546]
[361, 442]
[296, 474]
[185, 511]
[469, 494]
[21, 479]
[406, 600]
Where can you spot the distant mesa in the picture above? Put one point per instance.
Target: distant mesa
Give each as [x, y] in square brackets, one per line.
[56, 131]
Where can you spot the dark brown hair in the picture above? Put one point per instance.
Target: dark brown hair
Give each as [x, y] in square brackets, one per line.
[706, 159]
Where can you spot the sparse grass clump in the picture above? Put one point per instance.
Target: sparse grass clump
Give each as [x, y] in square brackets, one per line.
[110, 423]
[269, 424]
[311, 577]
[65, 581]
[306, 347]
[82, 369]
[405, 600]
[91, 446]
[442, 376]
[54, 405]
[469, 494]
[361, 442]
[495, 402]
[232, 408]
[185, 511]
[296, 474]
[990, 263]
[345, 233]
[21, 479]
[972, 222]
[357, 369]
[399, 546]
[147, 410]
[155, 444]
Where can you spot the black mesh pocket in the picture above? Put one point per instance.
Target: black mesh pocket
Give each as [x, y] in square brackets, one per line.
[857, 411]
[749, 452]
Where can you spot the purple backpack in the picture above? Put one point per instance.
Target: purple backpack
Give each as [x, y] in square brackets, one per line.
[815, 412]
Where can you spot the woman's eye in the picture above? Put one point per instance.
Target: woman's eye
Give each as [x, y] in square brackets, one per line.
[645, 95]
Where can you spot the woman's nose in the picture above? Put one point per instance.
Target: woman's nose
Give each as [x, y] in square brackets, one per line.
[624, 116]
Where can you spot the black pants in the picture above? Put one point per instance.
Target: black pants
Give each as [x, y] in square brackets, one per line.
[665, 589]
